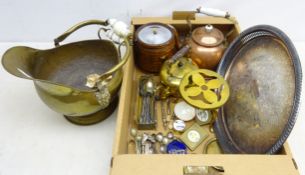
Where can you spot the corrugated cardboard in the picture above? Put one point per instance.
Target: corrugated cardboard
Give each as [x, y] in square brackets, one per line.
[125, 162]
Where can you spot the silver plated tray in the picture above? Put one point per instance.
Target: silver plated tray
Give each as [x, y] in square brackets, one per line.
[264, 73]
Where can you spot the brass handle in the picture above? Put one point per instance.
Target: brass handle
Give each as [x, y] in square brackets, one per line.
[103, 23]
[95, 81]
[101, 84]
[76, 27]
[124, 60]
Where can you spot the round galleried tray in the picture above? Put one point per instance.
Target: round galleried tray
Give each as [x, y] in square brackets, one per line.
[264, 73]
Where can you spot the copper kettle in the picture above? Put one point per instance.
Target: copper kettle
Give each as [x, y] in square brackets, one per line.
[207, 46]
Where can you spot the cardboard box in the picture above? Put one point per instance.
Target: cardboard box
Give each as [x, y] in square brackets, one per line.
[126, 162]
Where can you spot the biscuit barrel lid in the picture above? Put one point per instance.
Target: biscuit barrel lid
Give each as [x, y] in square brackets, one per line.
[264, 73]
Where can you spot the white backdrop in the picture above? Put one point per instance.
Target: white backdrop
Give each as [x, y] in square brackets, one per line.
[36, 140]
[43, 20]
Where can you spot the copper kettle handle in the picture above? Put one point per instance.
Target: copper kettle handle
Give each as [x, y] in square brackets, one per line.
[180, 53]
[213, 12]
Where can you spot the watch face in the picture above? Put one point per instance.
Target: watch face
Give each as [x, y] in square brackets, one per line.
[193, 136]
[203, 116]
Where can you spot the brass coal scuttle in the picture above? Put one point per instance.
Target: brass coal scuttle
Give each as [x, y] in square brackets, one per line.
[79, 80]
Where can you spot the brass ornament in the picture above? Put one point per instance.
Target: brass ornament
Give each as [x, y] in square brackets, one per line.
[203, 170]
[194, 136]
[80, 80]
[173, 70]
[212, 147]
[103, 95]
[204, 89]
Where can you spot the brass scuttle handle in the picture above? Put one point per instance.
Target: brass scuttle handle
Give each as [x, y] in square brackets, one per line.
[99, 82]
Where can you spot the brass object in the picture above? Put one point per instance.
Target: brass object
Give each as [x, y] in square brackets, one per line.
[147, 119]
[60, 75]
[169, 111]
[203, 116]
[194, 136]
[264, 72]
[212, 147]
[164, 114]
[174, 69]
[183, 15]
[204, 89]
[203, 170]
[154, 43]
[207, 46]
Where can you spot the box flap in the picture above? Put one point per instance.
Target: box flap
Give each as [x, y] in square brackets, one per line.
[169, 20]
[232, 164]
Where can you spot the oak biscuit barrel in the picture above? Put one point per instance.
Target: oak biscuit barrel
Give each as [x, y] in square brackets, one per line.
[154, 43]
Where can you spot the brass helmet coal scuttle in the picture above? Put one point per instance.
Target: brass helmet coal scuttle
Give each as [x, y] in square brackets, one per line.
[80, 80]
[207, 46]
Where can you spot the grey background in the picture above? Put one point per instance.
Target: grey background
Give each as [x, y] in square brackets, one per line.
[42, 21]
